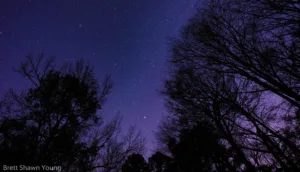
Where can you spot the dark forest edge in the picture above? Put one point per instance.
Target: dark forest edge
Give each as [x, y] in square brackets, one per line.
[232, 93]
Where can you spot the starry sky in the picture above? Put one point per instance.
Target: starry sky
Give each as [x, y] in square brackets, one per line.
[124, 38]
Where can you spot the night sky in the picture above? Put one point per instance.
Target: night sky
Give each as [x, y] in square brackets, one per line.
[124, 38]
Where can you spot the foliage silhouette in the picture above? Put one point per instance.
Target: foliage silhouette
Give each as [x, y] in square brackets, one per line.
[57, 122]
[159, 162]
[135, 163]
[199, 150]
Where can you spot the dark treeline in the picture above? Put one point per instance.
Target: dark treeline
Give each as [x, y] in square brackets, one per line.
[233, 97]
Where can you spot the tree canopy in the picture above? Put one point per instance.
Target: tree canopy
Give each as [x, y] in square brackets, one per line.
[135, 163]
[57, 122]
[234, 69]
